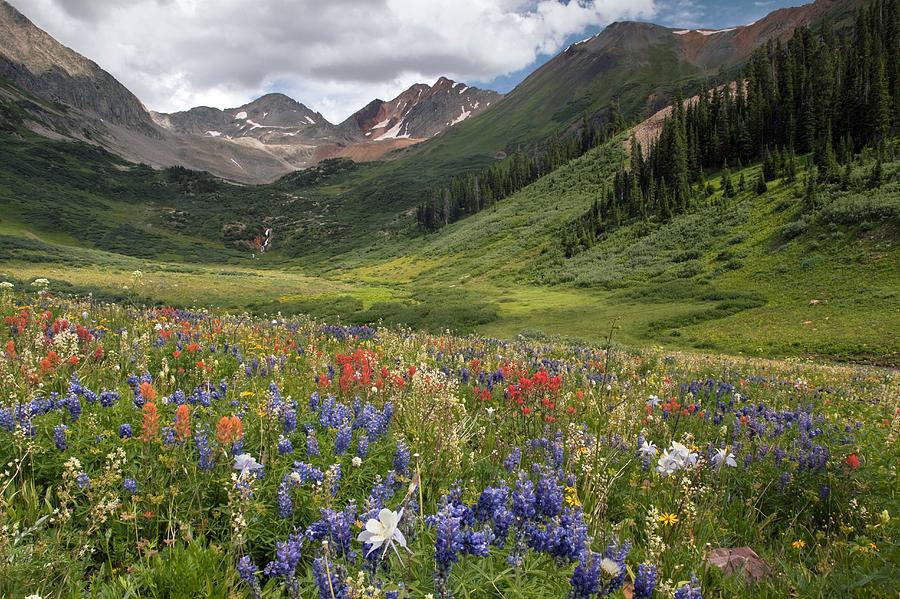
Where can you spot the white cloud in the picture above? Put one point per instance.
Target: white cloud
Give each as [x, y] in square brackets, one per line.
[334, 56]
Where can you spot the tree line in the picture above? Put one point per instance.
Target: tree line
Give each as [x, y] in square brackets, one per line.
[829, 91]
[469, 193]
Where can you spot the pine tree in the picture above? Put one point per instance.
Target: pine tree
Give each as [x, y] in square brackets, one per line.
[761, 186]
[727, 186]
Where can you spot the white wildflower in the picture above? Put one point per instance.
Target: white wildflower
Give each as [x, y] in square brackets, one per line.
[383, 531]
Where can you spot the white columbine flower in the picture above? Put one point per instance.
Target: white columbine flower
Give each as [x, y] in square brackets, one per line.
[357, 461]
[383, 531]
[246, 463]
[675, 458]
[652, 401]
[723, 457]
[648, 449]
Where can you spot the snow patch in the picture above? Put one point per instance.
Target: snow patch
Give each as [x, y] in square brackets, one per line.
[703, 31]
[394, 132]
[463, 116]
[311, 122]
[241, 115]
[382, 124]
[237, 163]
[214, 133]
[464, 88]
[587, 39]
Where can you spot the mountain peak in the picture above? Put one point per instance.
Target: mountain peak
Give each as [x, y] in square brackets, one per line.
[421, 111]
[31, 59]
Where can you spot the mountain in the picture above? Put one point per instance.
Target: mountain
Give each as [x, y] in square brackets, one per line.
[273, 123]
[32, 60]
[421, 111]
[269, 118]
[639, 65]
[63, 95]
[295, 133]
[60, 94]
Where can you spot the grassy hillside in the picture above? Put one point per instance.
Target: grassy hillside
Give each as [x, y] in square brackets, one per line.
[764, 275]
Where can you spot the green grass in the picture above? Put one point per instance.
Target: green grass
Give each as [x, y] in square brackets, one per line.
[733, 275]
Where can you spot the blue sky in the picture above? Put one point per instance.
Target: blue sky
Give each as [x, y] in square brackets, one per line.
[705, 14]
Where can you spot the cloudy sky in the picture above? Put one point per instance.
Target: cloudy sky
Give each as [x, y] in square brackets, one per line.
[337, 55]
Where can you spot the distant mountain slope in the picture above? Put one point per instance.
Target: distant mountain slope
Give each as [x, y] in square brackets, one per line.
[639, 64]
[254, 143]
[31, 59]
[61, 94]
[421, 111]
[269, 117]
[302, 137]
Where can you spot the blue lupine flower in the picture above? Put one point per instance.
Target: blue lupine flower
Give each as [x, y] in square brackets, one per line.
[689, 591]
[247, 571]
[287, 557]
[548, 495]
[343, 438]
[285, 446]
[130, 485]
[83, 481]
[285, 503]
[644, 581]
[334, 472]
[475, 543]
[401, 458]
[362, 449]
[201, 443]
[337, 528]
[329, 580]
[108, 398]
[289, 421]
[7, 420]
[74, 406]
[312, 444]
[585, 579]
[513, 460]
[447, 546]
[523, 500]
[308, 472]
[59, 437]
[125, 431]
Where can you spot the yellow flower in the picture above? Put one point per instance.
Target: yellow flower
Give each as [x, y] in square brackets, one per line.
[246, 393]
[798, 544]
[572, 497]
[668, 519]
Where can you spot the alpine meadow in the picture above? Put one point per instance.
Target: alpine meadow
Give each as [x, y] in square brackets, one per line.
[628, 329]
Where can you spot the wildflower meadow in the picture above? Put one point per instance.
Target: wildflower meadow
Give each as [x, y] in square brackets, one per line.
[156, 452]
